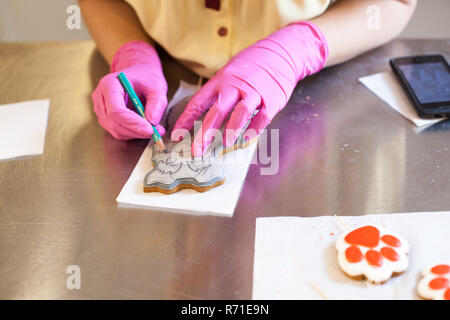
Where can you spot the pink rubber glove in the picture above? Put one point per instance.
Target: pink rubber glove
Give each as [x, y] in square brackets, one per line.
[115, 112]
[262, 77]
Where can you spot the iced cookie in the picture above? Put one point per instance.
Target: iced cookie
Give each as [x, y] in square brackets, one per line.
[435, 284]
[177, 169]
[373, 253]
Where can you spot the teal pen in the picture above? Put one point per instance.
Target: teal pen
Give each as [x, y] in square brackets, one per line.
[139, 107]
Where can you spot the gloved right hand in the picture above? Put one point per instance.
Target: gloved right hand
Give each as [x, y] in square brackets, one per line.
[115, 112]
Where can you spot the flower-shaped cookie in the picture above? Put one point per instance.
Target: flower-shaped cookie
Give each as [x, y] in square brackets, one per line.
[435, 283]
[372, 253]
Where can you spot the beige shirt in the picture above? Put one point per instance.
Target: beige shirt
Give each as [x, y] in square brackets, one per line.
[205, 39]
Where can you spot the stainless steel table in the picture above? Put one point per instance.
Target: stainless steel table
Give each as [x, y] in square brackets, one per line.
[343, 151]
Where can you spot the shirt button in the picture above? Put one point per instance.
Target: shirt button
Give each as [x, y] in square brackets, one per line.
[222, 31]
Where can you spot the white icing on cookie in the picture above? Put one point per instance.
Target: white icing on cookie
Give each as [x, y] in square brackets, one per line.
[373, 239]
[177, 166]
[435, 283]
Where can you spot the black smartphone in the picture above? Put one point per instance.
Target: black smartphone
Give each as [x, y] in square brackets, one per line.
[426, 80]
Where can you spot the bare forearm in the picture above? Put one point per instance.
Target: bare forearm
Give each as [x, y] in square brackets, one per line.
[112, 23]
[355, 26]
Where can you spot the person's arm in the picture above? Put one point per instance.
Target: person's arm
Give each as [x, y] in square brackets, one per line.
[112, 23]
[124, 44]
[351, 27]
[263, 76]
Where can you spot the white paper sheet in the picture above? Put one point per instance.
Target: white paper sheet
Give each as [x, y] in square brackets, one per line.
[386, 87]
[295, 256]
[22, 128]
[221, 200]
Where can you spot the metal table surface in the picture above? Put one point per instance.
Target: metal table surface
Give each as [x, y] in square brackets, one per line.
[343, 151]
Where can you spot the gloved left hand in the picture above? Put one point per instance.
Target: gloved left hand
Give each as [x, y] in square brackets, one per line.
[261, 77]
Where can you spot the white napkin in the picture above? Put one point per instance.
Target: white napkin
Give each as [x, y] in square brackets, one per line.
[295, 258]
[386, 87]
[22, 128]
[221, 200]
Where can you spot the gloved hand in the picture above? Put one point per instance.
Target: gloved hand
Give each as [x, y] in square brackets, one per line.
[262, 77]
[115, 112]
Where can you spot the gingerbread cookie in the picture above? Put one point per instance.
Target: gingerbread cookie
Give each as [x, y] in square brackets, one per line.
[435, 284]
[373, 253]
[177, 169]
